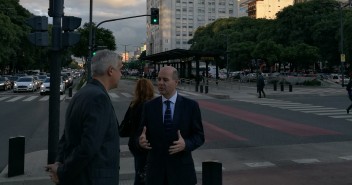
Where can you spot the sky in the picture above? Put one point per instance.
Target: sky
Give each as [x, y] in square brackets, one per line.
[130, 32]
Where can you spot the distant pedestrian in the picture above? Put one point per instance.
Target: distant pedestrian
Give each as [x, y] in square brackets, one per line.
[144, 91]
[260, 85]
[349, 93]
[88, 152]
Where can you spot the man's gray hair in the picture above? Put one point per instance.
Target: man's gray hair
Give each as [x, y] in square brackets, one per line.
[103, 60]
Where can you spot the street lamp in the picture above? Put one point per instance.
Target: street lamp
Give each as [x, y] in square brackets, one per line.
[227, 55]
[342, 54]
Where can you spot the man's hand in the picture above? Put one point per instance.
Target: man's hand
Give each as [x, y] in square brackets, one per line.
[178, 146]
[143, 142]
[52, 169]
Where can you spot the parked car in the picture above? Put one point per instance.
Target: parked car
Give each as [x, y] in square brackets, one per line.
[5, 83]
[45, 87]
[25, 83]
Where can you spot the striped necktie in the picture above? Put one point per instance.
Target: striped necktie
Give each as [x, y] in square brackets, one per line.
[167, 114]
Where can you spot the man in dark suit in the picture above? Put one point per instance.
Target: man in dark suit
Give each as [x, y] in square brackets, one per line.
[88, 152]
[171, 128]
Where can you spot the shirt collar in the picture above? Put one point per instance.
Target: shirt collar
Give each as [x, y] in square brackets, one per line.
[172, 99]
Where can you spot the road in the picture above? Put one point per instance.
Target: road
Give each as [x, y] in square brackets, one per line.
[282, 133]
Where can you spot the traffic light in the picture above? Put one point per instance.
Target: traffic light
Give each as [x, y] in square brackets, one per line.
[40, 35]
[154, 16]
[69, 24]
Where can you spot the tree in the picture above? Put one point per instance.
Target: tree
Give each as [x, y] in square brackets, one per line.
[103, 37]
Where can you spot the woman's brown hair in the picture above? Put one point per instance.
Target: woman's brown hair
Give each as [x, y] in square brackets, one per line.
[144, 91]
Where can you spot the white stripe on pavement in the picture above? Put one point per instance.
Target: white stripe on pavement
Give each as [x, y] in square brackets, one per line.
[306, 161]
[113, 95]
[345, 116]
[30, 98]
[45, 98]
[2, 98]
[330, 113]
[15, 99]
[62, 97]
[128, 95]
[326, 110]
[260, 164]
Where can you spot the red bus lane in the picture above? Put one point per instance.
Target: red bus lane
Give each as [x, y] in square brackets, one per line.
[289, 127]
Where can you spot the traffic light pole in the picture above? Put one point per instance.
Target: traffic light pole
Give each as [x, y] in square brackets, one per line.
[55, 66]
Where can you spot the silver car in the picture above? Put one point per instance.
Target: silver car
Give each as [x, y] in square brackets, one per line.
[45, 87]
[25, 83]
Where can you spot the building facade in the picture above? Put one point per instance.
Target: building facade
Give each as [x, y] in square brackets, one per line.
[267, 8]
[179, 19]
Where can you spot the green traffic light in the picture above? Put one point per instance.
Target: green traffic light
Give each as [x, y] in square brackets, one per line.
[155, 20]
[94, 53]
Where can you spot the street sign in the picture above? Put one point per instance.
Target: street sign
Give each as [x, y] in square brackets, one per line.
[343, 58]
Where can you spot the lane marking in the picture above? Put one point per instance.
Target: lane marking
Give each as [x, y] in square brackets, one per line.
[30, 98]
[306, 161]
[128, 95]
[15, 99]
[45, 98]
[113, 95]
[348, 158]
[2, 98]
[260, 164]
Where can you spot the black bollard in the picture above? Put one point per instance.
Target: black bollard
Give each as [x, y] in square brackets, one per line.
[275, 86]
[282, 87]
[70, 92]
[201, 88]
[206, 89]
[211, 173]
[16, 156]
[290, 87]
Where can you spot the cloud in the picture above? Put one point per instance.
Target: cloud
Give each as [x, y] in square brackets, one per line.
[131, 31]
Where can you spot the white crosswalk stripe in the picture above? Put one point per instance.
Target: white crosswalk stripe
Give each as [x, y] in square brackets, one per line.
[15, 98]
[113, 95]
[30, 98]
[128, 95]
[301, 107]
[3, 98]
[45, 98]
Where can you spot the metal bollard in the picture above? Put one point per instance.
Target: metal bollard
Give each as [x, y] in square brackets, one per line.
[282, 87]
[212, 173]
[275, 86]
[206, 89]
[201, 88]
[16, 156]
[70, 92]
[290, 87]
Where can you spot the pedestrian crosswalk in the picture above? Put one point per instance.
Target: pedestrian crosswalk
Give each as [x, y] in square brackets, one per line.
[115, 96]
[301, 107]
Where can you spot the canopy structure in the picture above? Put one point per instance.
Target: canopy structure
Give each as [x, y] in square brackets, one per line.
[182, 60]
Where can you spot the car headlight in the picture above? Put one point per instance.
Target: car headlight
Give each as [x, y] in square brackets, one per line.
[15, 85]
[42, 86]
[2, 83]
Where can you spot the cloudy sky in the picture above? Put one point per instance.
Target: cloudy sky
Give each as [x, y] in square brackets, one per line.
[130, 32]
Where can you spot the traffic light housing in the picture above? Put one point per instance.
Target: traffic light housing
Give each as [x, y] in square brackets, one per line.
[154, 16]
[39, 35]
[69, 24]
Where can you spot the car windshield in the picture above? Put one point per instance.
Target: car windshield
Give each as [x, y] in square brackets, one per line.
[24, 80]
[42, 77]
[2, 79]
[47, 80]
[14, 78]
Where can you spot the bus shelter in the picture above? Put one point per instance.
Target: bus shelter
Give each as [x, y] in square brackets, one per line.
[187, 62]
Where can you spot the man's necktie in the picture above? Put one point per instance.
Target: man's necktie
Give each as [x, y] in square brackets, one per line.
[167, 114]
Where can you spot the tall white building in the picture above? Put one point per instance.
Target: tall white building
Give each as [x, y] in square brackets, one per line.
[179, 19]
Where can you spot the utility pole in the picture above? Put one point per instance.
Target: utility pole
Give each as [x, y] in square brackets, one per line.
[56, 10]
[89, 61]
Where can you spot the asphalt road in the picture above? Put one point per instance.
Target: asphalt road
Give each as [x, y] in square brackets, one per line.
[252, 138]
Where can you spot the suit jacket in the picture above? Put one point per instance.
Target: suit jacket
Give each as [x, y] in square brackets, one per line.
[177, 168]
[89, 147]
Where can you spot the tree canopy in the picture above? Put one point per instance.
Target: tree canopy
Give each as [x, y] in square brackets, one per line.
[302, 35]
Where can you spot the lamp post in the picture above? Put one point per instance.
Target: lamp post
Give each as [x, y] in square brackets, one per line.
[342, 55]
[227, 55]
